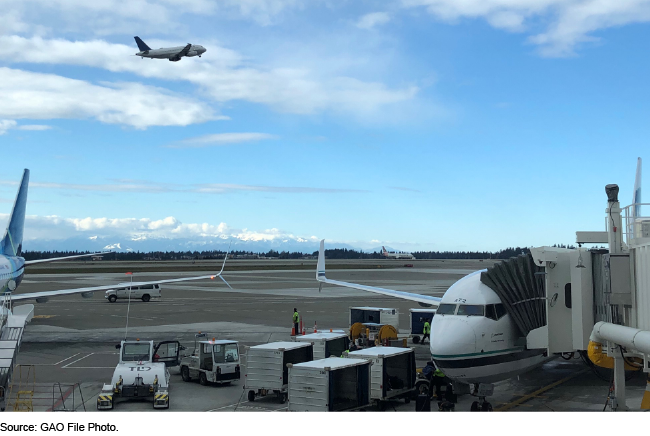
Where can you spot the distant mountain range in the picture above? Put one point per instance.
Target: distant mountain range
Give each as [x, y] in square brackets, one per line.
[180, 244]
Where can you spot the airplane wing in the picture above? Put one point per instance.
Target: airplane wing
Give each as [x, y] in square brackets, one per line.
[54, 259]
[185, 50]
[320, 276]
[47, 294]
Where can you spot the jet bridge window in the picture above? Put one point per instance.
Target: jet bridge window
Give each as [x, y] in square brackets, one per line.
[446, 309]
[471, 310]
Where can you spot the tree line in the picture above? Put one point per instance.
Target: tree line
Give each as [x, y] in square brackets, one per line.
[336, 253]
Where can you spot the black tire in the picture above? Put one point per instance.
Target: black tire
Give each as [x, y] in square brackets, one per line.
[185, 373]
[486, 407]
[203, 380]
[251, 396]
[415, 339]
[112, 298]
[475, 407]
[146, 298]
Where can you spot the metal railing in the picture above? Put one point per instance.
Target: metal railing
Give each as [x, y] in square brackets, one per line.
[59, 402]
[635, 225]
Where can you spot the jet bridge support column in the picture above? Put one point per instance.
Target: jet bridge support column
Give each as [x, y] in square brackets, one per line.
[619, 381]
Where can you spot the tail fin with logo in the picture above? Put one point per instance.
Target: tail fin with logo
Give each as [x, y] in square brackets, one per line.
[141, 45]
[12, 243]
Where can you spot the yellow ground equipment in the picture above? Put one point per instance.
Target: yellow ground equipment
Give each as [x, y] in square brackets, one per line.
[21, 400]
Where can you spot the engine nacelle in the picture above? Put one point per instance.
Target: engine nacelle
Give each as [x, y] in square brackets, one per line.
[42, 299]
[87, 295]
[174, 59]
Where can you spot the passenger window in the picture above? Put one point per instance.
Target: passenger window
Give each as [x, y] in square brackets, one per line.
[500, 310]
[490, 312]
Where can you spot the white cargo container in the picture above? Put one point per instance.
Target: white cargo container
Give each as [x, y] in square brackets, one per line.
[374, 315]
[329, 385]
[326, 344]
[266, 367]
[392, 374]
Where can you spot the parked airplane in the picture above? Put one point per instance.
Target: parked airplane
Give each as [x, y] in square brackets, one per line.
[395, 254]
[12, 264]
[174, 54]
[474, 339]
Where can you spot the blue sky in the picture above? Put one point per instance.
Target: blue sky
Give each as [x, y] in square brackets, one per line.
[418, 124]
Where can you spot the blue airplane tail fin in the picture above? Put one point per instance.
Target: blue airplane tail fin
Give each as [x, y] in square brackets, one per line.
[141, 45]
[12, 243]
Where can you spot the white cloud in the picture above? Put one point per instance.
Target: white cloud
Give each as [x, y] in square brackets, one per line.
[153, 187]
[222, 139]
[223, 76]
[6, 125]
[56, 228]
[373, 19]
[36, 127]
[48, 96]
[568, 22]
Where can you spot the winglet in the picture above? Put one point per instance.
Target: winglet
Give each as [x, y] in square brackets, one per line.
[320, 267]
[12, 243]
[141, 45]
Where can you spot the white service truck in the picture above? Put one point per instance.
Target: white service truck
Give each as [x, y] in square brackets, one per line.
[122, 291]
[141, 373]
[215, 361]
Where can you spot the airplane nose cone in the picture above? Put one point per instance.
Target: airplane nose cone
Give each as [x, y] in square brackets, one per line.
[452, 336]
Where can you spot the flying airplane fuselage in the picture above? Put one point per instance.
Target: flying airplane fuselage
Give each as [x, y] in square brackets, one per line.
[171, 53]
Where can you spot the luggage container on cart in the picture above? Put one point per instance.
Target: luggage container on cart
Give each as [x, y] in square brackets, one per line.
[212, 362]
[376, 315]
[329, 385]
[417, 318]
[392, 374]
[326, 344]
[266, 367]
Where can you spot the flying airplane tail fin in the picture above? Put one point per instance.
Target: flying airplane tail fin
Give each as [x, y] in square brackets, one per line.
[383, 249]
[637, 189]
[12, 243]
[141, 45]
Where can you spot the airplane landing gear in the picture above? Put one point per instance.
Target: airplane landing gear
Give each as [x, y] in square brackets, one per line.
[482, 390]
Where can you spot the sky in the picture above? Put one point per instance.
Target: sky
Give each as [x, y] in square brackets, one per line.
[415, 124]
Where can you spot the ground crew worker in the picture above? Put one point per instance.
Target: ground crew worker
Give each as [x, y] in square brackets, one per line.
[296, 320]
[426, 330]
[439, 380]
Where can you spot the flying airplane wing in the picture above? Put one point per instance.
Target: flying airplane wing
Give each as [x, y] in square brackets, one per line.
[54, 259]
[320, 276]
[185, 50]
[47, 294]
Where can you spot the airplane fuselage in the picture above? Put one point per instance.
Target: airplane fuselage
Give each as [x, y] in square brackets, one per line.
[474, 340]
[12, 269]
[172, 53]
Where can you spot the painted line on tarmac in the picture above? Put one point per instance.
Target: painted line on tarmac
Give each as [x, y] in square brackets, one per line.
[525, 398]
[54, 364]
[72, 363]
[224, 407]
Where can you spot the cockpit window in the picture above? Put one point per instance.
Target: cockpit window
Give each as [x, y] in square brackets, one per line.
[490, 312]
[446, 309]
[135, 352]
[501, 310]
[471, 310]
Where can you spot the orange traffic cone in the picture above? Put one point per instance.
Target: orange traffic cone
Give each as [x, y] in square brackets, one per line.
[302, 330]
[645, 401]
[315, 328]
[293, 329]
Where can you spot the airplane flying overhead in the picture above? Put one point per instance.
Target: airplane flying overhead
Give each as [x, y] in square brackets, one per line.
[12, 264]
[174, 54]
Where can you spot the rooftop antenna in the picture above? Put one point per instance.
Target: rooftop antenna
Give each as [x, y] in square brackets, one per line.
[580, 264]
[636, 200]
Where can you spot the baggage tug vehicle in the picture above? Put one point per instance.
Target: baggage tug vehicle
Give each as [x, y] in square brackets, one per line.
[142, 372]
